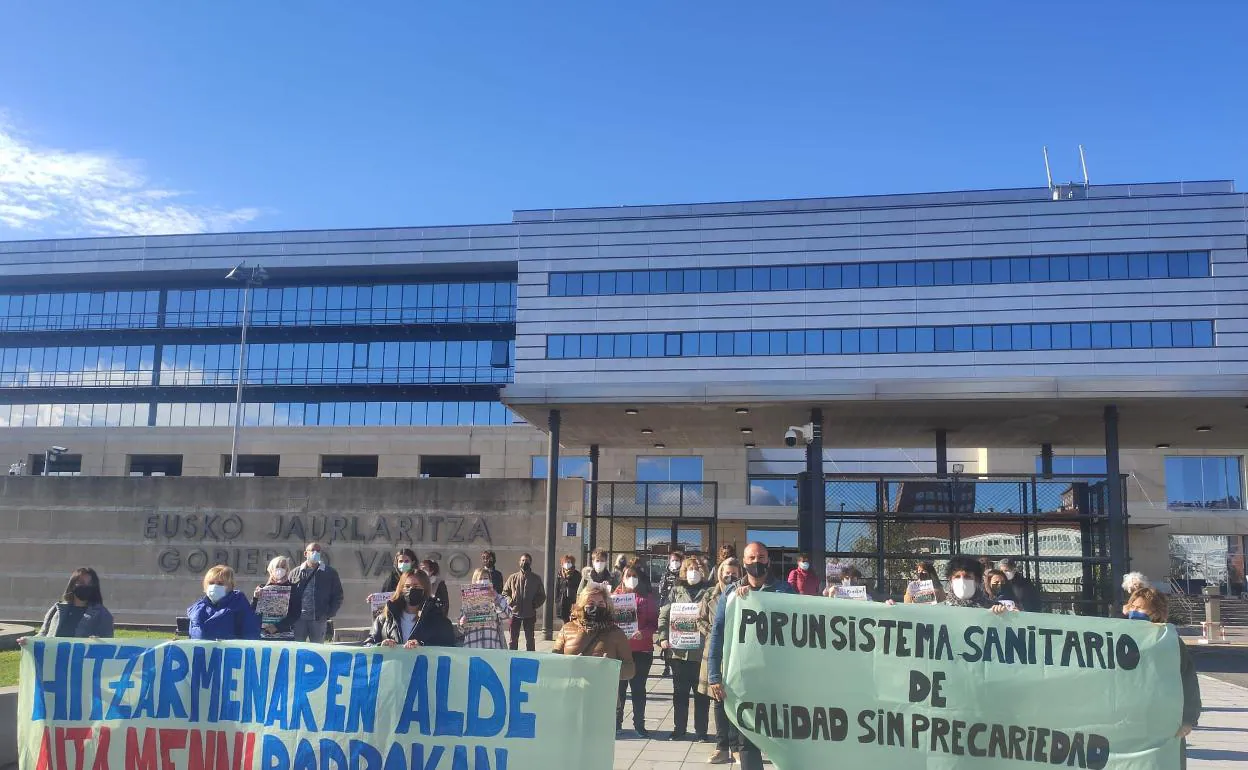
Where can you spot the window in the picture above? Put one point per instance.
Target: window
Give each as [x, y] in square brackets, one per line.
[450, 466]
[764, 491]
[345, 466]
[1075, 465]
[869, 275]
[62, 465]
[253, 465]
[155, 465]
[927, 339]
[569, 467]
[669, 469]
[1204, 482]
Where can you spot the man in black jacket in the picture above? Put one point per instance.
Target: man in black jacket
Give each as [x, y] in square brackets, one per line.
[1026, 595]
[321, 596]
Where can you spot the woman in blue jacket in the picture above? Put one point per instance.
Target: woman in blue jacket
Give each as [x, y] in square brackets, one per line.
[222, 612]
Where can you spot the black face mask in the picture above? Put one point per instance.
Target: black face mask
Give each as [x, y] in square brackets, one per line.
[84, 593]
[524, 565]
[596, 614]
[414, 596]
[756, 570]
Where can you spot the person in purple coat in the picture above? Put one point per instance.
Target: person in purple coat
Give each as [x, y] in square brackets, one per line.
[222, 612]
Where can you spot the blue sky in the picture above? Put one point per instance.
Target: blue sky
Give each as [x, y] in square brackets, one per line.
[160, 116]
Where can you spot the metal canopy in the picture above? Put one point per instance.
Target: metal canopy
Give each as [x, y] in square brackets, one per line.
[976, 413]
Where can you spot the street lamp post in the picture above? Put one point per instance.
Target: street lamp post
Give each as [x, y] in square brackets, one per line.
[251, 278]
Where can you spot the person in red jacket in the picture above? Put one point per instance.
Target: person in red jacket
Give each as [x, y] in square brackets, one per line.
[802, 579]
[642, 645]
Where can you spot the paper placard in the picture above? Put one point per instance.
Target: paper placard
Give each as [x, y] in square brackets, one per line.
[857, 593]
[377, 602]
[1009, 605]
[272, 603]
[625, 608]
[478, 603]
[682, 626]
[922, 592]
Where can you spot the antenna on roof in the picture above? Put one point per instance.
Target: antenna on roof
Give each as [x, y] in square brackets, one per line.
[1047, 172]
[1084, 163]
[1071, 190]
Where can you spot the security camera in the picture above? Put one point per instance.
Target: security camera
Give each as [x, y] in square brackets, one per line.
[59, 450]
[790, 437]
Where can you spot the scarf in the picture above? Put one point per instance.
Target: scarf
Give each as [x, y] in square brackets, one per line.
[600, 627]
[980, 599]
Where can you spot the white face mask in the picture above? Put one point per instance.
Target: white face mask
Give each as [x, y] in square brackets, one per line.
[216, 593]
[279, 573]
[963, 588]
[631, 582]
[673, 566]
[600, 566]
[803, 565]
[567, 565]
[1009, 574]
[693, 577]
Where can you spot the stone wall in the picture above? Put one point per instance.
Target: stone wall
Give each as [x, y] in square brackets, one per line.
[151, 539]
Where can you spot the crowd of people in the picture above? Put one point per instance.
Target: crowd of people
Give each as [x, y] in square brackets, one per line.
[413, 612]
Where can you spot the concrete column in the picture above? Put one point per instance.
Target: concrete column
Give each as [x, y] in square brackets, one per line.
[552, 521]
[1046, 460]
[817, 497]
[1117, 511]
[593, 499]
[942, 453]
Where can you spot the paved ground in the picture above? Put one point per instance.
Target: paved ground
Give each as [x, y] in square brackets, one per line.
[1221, 741]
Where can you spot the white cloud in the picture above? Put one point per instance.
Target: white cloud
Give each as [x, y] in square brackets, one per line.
[63, 192]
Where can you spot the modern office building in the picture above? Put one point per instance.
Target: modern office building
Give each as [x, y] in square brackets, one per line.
[984, 356]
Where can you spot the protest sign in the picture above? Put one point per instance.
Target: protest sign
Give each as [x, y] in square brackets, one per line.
[377, 602]
[101, 705]
[916, 687]
[922, 592]
[478, 603]
[858, 593]
[682, 626]
[272, 605]
[625, 609]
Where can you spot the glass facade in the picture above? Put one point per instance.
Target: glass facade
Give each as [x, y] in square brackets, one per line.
[920, 339]
[78, 366]
[80, 310]
[1074, 465]
[340, 363]
[773, 491]
[870, 275]
[569, 467]
[275, 414]
[1204, 482]
[410, 303]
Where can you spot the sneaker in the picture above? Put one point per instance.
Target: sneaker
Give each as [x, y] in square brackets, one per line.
[678, 736]
[641, 732]
[720, 757]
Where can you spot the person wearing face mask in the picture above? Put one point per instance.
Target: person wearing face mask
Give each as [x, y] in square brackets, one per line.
[567, 586]
[412, 618]
[923, 570]
[965, 576]
[642, 645]
[222, 612]
[998, 587]
[526, 595]
[320, 595]
[617, 574]
[686, 662]
[488, 561]
[728, 740]
[404, 562]
[1148, 604]
[598, 571]
[1132, 582]
[481, 635]
[80, 612]
[1026, 595]
[592, 631]
[279, 628]
[671, 577]
[758, 577]
[802, 579]
[441, 594]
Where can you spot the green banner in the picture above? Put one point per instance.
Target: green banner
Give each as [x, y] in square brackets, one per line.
[819, 682]
[105, 705]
